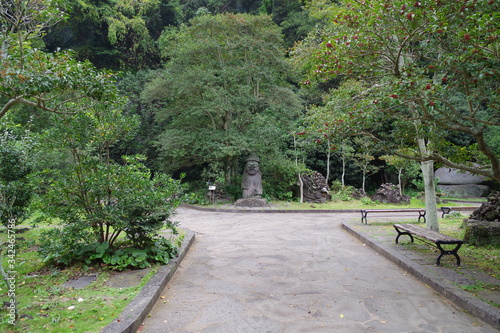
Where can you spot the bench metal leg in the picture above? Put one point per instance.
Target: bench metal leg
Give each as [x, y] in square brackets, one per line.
[449, 252]
[421, 214]
[363, 216]
[400, 233]
[445, 210]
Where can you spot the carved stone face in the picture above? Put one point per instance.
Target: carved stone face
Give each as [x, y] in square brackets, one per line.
[252, 168]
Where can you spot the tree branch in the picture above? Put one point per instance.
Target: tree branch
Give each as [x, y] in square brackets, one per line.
[38, 104]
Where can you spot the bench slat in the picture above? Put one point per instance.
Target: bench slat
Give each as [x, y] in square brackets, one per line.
[428, 234]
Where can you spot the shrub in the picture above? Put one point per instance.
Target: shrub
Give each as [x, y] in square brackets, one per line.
[100, 203]
[342, 193]
[279, 177]
[367, 201]
[55, 251]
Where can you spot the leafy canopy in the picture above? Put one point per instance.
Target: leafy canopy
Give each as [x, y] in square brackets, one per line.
[427, 69]
[41, 80]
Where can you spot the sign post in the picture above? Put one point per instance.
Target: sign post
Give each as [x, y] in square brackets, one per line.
[211, 191]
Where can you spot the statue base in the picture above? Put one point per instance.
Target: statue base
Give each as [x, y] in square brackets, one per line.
[251, 202]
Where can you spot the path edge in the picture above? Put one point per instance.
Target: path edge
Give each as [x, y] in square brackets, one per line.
[136, 311]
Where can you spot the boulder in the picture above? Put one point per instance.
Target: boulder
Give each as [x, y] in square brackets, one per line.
[488, 211]
[449, 176]
[465, 191]
[482, 233]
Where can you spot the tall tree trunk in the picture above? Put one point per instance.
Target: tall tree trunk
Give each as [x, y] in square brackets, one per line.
[400, 171]
[343, 171]
[227, 170]
[328, 156]
[427, 168]
[301, 183]
[364, 181]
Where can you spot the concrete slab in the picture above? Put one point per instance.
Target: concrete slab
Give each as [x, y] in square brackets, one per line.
[126, 279]
[80, 282]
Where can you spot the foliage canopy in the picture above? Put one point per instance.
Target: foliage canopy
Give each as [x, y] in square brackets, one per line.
[222, 90]
[411, 75]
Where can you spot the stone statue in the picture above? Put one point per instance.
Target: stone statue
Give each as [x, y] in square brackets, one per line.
[251, 183]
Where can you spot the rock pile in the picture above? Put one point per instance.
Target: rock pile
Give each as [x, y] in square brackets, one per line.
[316, 189]
[489, 211]
[389, 193]
[483, 226]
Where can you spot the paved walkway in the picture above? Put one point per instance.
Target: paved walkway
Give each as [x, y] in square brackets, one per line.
[264, 272]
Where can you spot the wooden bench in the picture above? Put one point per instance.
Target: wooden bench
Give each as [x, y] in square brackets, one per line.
[364, 212]
[437, 238]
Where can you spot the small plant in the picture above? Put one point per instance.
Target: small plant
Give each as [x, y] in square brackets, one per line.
[453, 215]
[367, 201]
[343, 194]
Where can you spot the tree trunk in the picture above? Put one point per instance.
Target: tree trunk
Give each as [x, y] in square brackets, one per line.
[227, 171]
[364, 181]
[427, 168]
[400, 171]
[301, 183]
[328, 155]
[343, 172]
[301, 188]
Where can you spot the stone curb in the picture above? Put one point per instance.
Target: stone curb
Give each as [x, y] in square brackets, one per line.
[487, 313]
[132, 316]
[267, 210]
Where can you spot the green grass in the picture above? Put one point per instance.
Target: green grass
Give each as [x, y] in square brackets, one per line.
[43, 301]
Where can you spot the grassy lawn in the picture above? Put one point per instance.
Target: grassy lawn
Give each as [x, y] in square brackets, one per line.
[46, 305]
[484, 258]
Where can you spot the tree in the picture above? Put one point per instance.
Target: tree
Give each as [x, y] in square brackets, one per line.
[15, 166]
[406, 57]
[39, 80]
[406, 169]
[363, 157]
[223, 92]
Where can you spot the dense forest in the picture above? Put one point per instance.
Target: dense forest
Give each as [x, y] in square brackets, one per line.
[108, 107]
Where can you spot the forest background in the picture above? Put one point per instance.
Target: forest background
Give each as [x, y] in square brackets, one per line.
[362, 93]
